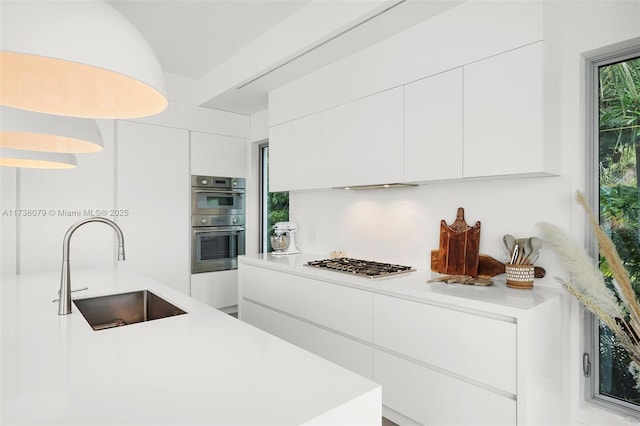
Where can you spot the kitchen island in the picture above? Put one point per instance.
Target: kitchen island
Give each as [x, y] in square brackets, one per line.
[204, 367]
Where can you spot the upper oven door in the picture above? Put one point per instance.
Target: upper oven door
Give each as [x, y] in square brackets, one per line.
[217, 201]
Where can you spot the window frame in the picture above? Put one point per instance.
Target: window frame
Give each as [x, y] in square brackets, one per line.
[263, 166]
[591, 358]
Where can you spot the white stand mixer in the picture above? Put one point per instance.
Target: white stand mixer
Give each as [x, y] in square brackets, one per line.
[283, 240]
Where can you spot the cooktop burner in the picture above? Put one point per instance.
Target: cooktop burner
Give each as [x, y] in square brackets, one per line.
[362, 268]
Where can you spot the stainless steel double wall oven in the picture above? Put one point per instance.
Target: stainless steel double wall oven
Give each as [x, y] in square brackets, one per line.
[217, 222]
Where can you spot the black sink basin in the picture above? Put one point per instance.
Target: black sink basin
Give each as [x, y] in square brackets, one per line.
[117, 310]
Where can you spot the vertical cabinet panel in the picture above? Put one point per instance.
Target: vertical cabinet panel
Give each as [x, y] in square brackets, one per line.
[503, 114]
[281, 157]
[153, 186]
[217, 155]
[340, 144]
[433, 128]
[307, 166]
[381, 137]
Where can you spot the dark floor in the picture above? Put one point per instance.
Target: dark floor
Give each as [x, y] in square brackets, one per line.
[387, 422]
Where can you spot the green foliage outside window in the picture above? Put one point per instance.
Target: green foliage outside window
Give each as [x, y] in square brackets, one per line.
[619, 134]
[278, 208]
[277, 203]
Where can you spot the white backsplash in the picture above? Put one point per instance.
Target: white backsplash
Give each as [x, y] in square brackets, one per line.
[402, 225]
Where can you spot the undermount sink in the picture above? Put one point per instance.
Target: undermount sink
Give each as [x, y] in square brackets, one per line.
[117, 310]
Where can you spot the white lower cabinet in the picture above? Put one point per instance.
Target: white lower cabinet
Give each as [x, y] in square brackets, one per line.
[452, 340]
[431, 397]
[218, 289]
[438, 363]
[348, 353]
[339, 308]
[267, 319]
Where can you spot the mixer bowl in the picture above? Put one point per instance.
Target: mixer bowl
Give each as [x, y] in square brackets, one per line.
[279, 242]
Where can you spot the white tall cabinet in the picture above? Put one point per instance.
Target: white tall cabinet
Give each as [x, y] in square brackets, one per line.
[153, 196]
[217, 155]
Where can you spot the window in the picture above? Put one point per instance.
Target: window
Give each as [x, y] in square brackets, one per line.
[274, 206]
[615, 167]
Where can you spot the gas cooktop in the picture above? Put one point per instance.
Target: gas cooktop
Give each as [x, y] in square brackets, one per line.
[361, 268]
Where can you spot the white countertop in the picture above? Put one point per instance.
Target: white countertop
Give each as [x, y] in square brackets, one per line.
[204, 367]
[496, 299]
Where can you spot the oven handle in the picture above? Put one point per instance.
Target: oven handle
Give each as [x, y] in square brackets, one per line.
[218, 229]
[218, 191]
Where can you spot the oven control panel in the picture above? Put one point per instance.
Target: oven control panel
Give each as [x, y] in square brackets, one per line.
[217, 220]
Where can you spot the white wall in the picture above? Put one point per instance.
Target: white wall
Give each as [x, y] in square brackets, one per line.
[402, 225]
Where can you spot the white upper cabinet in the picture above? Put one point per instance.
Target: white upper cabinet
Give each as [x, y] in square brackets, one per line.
[493, 117]
[340, 143]
[381, 137]
[217, 155]
[508, 117]
[307, 164]
[433, 127]
[281, 157]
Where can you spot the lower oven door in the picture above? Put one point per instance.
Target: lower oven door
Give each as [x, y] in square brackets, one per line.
[216, 248]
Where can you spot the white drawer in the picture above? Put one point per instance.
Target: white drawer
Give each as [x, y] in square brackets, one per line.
[345, 309]
[343, 351]
[480, 348]
[432, 398]
[265, 319]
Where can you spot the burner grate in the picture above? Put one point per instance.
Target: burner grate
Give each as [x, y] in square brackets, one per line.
[363, 268]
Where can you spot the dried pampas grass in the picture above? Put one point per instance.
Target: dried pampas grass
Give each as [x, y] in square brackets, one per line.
[588, 286]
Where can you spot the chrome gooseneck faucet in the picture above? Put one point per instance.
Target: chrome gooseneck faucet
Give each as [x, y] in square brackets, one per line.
[64, 305]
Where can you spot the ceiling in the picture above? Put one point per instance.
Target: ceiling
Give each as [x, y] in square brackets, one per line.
[200, 43]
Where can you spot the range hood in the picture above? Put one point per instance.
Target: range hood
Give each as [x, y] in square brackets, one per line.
[377, 186]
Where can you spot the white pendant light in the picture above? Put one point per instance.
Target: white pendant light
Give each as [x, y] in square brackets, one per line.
[77, 58]
[35, 131]
[35, 159]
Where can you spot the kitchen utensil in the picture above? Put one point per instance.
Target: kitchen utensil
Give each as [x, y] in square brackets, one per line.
[488, 266]
[515, 254]
[535, 244]
[459, 246]
[527, 249]
[509, 243]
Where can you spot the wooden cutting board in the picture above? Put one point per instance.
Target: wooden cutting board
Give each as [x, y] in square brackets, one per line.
[487, 266]
[459, 245]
